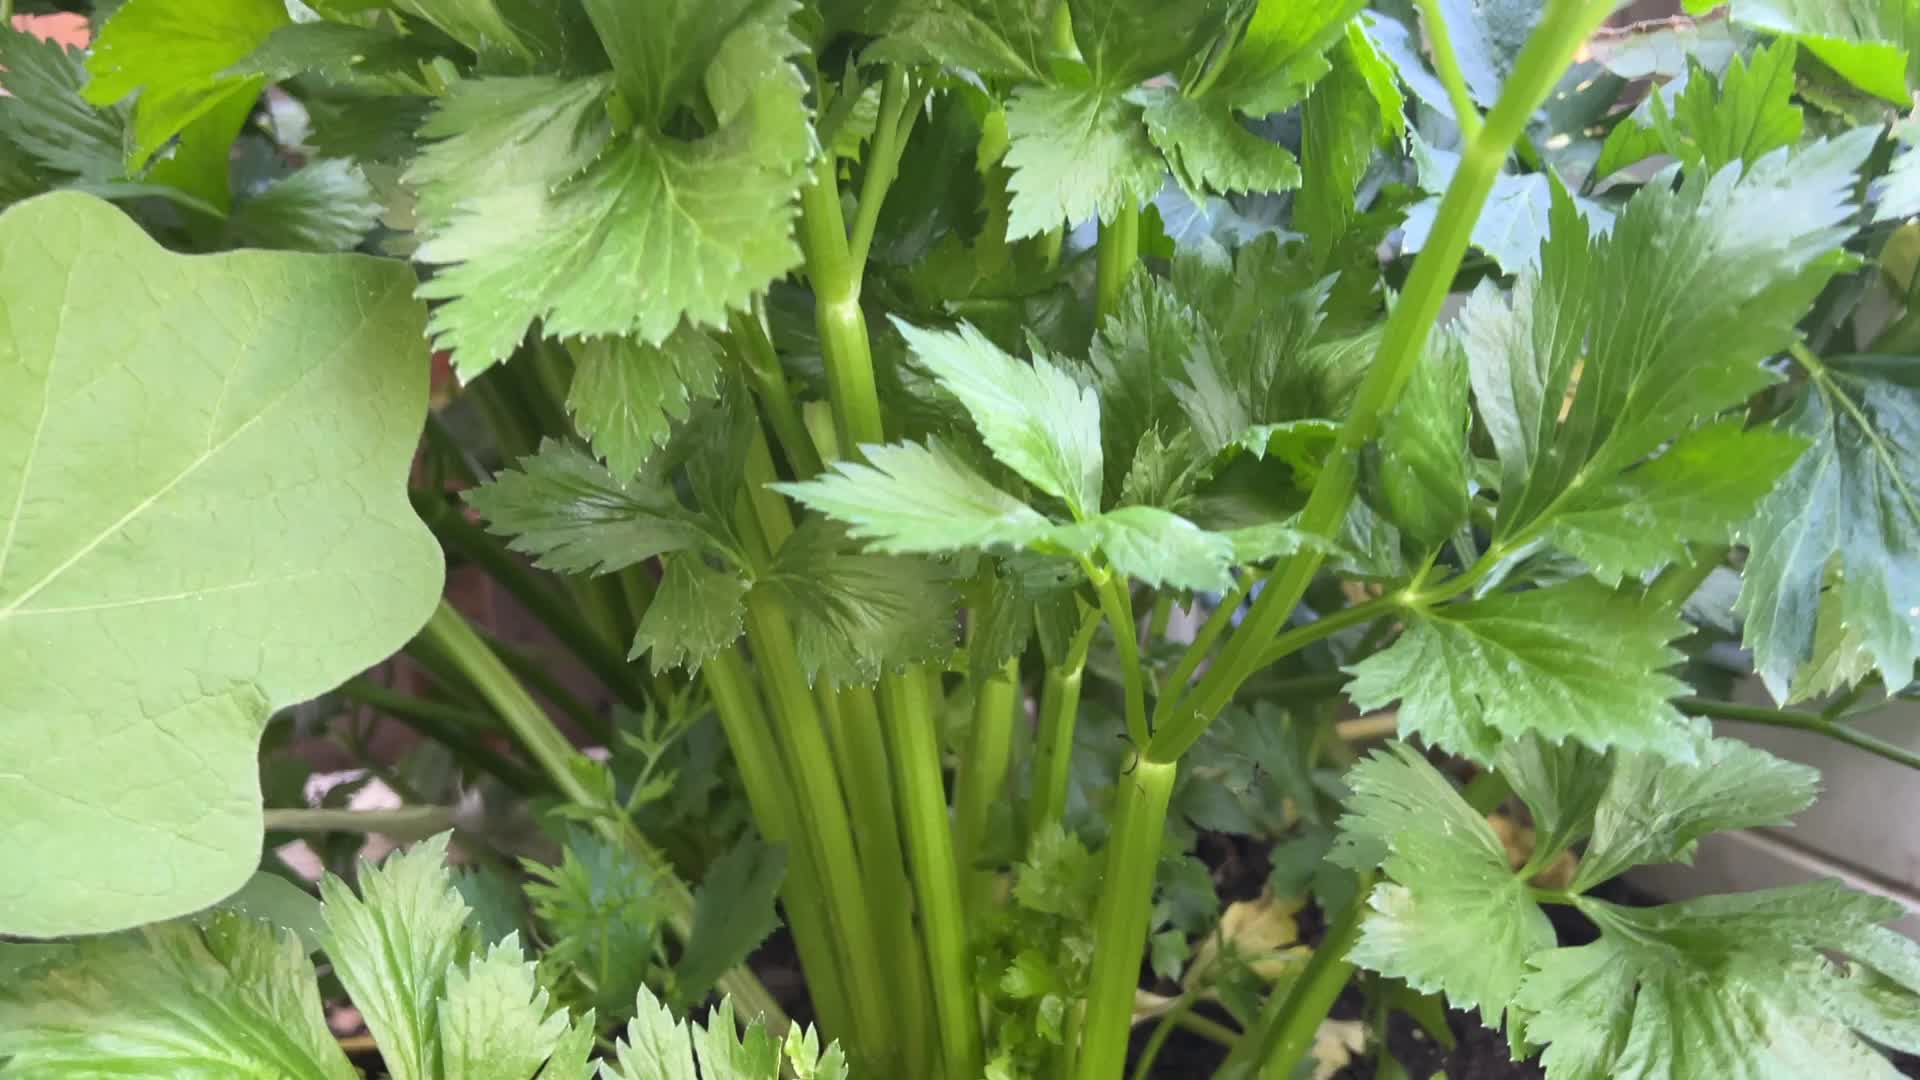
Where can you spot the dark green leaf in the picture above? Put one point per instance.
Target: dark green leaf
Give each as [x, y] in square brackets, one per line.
[322, 206]
[1211, 150]
[568, 511]
[733, 913]
[1848, 508]
[698, 611]
[626, 396]
[856, 616]
[44, 117]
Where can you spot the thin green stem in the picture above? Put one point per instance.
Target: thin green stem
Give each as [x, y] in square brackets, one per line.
[1210, 631]
[1800, 721]
[1143, 1068]
[983, 778]
[1059, 712]
[1465, 114]
[1211, 1030]
[1283, 1035]
[514, 432]
[1117, 602]
[762, 364]
[913, 747]
[450, 632]
[450, 726]
[1160, 617]
[897, 116]
[402, 823]
[1116, 252]
[1122, 916]
[1563, 26]
[535, 674]
[1326, 626]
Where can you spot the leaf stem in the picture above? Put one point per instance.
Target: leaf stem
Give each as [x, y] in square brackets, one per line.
[744, 719]
[897, 117]
[762, 364]
[1143, 1068]
[1466, 115]
[842, 324]
[1123, 915]
[451, 727]
[1283, 1035]
[982, 780]
[1117, 601]
[914, 750]
[402, 823]
[1326, 626]
[1059, 713]
[1799, 721]
[1217, 623]
[1117, 250]
[1565, 24]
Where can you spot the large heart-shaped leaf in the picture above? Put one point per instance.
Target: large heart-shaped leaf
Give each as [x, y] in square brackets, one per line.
[203, 517]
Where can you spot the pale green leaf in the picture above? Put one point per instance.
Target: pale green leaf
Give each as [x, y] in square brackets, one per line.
[242, 542]
[1849, 509]
[393, 947]
[1572, 661]
[1866, 41]
[732, 914]
[1156, 547]
[698, 611]
[1655, 810]
[493, 1017]
[229, 1000]
[1210, 150]
[910, 498]
[1034, 417]
[1723, 986]
[657, 1047]
[1699, 491]
[573, 516]
[175, 56]
[626, 396]
[1454, 918]
[323, 206]
[1077, 154]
